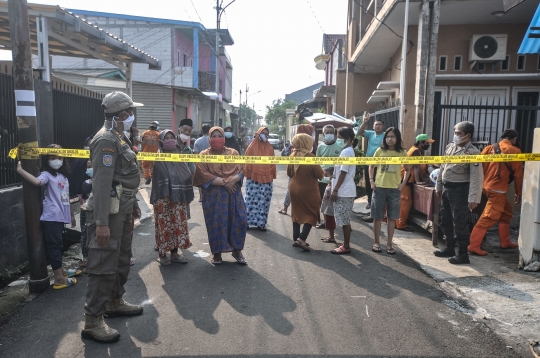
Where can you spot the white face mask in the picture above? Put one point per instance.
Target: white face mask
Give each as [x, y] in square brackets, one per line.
[128, 122]
[457, 139]
[87, 147]
[55, 163]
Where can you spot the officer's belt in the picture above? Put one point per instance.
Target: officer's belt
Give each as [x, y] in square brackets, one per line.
[130, 193]
[455, 184]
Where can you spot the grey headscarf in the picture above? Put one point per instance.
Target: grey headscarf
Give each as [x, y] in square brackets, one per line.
[171, 179]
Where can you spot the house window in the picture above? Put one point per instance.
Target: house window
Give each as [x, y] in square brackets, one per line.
[521, 63]
[178, 57]
[505, 65]
[442, 63]
[457, 63]
[185, 61]
[481, 66]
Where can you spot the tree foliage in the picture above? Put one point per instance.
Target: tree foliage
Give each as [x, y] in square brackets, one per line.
[247, 115]
[276, 117]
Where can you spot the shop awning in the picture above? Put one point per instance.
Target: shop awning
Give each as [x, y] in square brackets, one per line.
[531, 41]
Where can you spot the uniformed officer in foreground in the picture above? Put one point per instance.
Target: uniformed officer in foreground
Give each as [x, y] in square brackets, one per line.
[109, 211]
[460, 186]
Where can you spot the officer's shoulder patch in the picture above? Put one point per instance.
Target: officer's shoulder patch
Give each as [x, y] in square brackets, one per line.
[107, 160]
[108, 150]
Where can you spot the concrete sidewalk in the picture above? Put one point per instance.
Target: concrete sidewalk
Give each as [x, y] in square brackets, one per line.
[491, 288]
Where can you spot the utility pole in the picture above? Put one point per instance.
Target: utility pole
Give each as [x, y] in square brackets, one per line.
[219, 12]
[27, 130]
[403, 66]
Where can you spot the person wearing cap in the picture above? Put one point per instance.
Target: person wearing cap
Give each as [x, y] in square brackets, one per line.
[150, 143]
[459, 186]
[230, 139]
[419, 175]
[497, 176]
[109, 212]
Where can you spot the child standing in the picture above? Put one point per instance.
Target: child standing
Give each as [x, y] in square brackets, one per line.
[387, 187]
[86, 189]
[56, 212]
[327, 208]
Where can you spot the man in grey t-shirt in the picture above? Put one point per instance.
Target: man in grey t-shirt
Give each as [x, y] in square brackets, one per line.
[203, 142]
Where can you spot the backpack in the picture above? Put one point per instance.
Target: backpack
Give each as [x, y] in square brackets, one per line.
[497, 150]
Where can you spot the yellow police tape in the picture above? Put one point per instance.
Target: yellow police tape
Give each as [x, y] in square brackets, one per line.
[23, 152]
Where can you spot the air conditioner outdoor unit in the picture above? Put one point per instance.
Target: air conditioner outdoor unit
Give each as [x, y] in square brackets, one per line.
[486, 48]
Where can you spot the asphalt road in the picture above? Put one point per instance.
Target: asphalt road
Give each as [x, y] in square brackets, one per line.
[285, 303]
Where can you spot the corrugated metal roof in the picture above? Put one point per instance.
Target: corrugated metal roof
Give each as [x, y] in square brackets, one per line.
[532, 45]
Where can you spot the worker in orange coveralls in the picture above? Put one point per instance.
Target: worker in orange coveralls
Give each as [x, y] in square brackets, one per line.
[150, 143]
[418, 175]
[497, 176]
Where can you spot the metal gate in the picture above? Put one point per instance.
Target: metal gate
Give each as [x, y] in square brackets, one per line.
[75, 118]
[490, 120]
[8, 131]
[390, 117]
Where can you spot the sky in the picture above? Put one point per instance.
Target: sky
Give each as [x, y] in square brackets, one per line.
[275, 41]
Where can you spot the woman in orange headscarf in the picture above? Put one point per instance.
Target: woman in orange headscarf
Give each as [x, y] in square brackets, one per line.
[259, 181]
[223, 205]
[304, 190]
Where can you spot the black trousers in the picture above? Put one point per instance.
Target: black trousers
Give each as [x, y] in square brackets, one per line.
[301, 235]
[369, 191]
[454, 212]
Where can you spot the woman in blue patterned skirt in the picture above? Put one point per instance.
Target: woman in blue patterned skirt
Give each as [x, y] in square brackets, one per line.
[222, 201]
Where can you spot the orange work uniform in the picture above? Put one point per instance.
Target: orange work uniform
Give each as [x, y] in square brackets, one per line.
[495, 186]
[150, 143]
[406, 193]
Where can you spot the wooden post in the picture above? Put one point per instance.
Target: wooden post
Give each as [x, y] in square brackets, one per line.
[27, 130]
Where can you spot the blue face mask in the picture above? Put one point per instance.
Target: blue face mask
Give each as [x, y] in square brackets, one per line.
[340, 142]
[228, 134]
[329, 137]
[90, 172]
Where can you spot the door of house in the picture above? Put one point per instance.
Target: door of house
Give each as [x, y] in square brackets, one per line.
[489, 123]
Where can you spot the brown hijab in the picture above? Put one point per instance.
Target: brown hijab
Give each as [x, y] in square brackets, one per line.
[302, 144]
[206, 172]
[261, 173]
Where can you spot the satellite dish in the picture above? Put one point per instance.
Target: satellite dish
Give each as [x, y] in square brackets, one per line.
[486, 47]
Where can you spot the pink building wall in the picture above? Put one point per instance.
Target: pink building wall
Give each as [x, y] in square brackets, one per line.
[205, 58]
[183, 44]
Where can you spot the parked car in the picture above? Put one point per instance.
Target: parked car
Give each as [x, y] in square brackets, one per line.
[275, 141]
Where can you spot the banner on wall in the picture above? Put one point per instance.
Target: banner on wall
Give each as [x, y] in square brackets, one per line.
[227, 118]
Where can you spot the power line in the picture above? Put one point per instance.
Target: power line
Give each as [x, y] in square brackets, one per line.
[192, 4]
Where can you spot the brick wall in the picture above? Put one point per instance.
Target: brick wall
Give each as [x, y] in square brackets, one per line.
[12, 230]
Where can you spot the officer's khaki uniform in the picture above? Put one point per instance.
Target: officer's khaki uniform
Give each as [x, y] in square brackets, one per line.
[113, 160]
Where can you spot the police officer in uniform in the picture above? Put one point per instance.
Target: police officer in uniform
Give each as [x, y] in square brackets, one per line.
[460, 188]
[109, 211]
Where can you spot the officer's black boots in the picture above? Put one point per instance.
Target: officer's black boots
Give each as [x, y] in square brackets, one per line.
[462, 257]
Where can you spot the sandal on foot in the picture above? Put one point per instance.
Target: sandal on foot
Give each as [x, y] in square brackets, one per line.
[179, 260]
[342, 250]
[216, 261]
[328, 240]
[69, 282]
[240, 259]
[368, 206]
[164, 261]
[283, 212]
[83, 263]
[376, 248]
[72, 273]
[391, 251]
[302, 244]
[132, 261]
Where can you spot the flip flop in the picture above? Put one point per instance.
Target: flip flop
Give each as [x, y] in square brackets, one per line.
[282, 212]
[179, 260]
[216, 261]
[302, 245]
[341, 251]
[327, 240]
[72, 273]
[240, 259]
[70, 281]
[164, 261]
[391, 251]
[375, 248]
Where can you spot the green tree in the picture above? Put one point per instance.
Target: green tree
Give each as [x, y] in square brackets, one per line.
[276, 117]
[247, 115]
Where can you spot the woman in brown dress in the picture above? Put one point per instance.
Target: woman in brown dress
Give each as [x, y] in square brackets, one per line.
[304, 190]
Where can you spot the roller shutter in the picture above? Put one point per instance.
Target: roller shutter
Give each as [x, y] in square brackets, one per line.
[157, 104]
